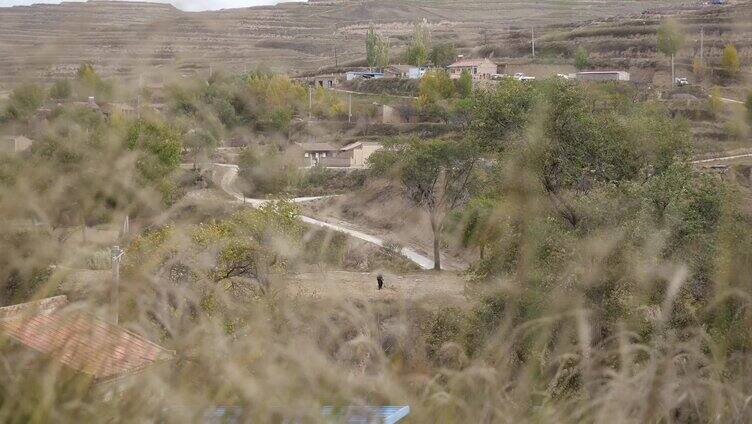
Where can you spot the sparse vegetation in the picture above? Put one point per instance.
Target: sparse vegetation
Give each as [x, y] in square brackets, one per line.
[596, 271]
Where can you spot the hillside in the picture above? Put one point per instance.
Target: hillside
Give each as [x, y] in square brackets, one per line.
[49, 41]
[630, 42]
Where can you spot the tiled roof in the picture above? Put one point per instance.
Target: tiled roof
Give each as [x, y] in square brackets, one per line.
[470, 62]
[79, 340]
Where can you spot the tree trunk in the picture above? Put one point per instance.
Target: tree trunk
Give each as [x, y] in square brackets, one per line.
[436, 241]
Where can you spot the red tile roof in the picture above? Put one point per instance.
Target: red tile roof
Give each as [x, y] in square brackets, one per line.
[79, 340]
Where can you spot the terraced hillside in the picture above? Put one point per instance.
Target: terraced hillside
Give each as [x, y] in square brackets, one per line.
[631, 43]
[48, 41]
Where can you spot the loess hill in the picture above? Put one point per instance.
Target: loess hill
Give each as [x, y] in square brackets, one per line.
[43, 42]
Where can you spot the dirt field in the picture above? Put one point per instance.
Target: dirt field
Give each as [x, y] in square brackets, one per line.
[440, 288]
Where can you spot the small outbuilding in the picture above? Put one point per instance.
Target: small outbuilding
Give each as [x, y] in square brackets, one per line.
[602, 76]
[358, 153]
[314, 153]
[15, 144]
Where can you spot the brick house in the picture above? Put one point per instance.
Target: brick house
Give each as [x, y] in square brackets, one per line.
[480, 69]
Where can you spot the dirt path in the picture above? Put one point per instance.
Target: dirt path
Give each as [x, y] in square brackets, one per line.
[227, 179]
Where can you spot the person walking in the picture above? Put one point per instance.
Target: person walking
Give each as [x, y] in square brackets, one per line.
[380, 281]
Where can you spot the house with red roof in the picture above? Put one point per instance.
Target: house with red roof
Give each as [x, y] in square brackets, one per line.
[80, 341]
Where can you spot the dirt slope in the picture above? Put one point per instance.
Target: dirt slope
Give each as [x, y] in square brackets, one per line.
[49, 41]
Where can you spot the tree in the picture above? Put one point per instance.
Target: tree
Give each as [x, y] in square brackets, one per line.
[442, 55]
[465, 84]
[159, 146]
[377, 49]
[434, 92]
[61, 90]
[730, 60]
[435, 175]
[417, 52]
[25, 99]
[581, 58]
[748, 104]
[670, 41]
[498, 113]
[200, 143]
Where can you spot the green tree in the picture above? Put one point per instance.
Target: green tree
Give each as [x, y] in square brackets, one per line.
[498, 113]
[371, 49]
[90, 83]
[435, 175]
[25, 100]
[465, 84]
[670, 41]
[377, 49]
[581, 58]
[61, 90]
[748, 104]
[730, 61]
[436, 85]
[201, 144]
[158, 146]
[442, 55]
[417, 51]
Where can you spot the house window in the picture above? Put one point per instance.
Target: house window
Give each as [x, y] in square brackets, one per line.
[475, 70]
[323, 155]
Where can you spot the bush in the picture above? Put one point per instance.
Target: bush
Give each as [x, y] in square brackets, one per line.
[392, 248]
[730, 61]
[581, 58]
[99, 260]
[61, 90]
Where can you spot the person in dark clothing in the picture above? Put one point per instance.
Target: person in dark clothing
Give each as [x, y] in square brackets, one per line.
[380, 281]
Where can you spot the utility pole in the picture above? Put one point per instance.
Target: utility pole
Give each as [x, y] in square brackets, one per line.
[116, 255]
[138, 96]
[702, 45]
[336, 62]
[533, 40]
[310, 102]
[349, 109]
[673, 74]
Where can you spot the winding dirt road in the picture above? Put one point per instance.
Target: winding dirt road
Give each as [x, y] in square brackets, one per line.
[227, 183]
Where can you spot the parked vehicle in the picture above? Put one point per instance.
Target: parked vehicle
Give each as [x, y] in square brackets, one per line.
[681, 82]
[519, 76]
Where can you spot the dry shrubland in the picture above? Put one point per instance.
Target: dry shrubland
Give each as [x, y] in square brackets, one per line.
[609, 283]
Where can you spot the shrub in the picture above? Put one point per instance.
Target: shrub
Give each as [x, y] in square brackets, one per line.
[581, 58]
[730, 61]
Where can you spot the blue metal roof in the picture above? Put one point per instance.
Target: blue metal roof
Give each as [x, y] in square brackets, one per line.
[367, 414]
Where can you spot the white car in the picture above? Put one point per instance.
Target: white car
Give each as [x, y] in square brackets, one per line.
[519, 76]
[681, 82]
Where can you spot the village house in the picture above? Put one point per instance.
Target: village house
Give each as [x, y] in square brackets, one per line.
[353, 155]
[479, 69]
[313, 153]
[404, 72]
[358, 153]
[15, 144]
[83, 343]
